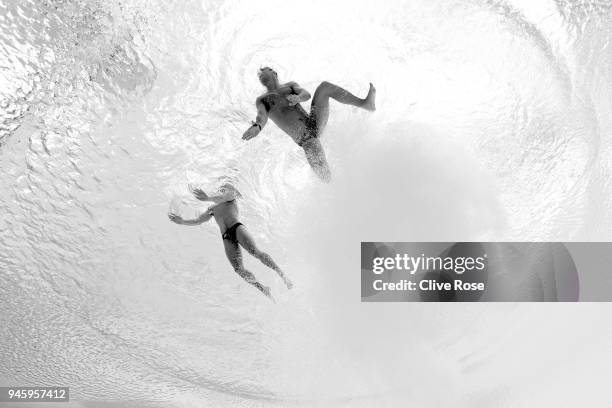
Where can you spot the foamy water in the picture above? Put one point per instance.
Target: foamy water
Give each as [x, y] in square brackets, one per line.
[494, 122]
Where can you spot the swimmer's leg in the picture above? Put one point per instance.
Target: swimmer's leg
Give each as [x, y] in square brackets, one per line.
[246, 240]
[319, 110]
[316, 158]
[234, 255]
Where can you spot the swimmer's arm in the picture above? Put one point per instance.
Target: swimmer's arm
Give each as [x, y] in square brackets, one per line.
[197, 221]
[302, 94]
[220, 198]
[259, 123]
[262, 114]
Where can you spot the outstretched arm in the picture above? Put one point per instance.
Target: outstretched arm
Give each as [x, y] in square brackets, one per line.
[259, 123]
[219, 198]
[298, 94]
[197, 221]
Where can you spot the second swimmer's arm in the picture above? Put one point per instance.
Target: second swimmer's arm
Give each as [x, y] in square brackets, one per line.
[197, 221]
[220, 198]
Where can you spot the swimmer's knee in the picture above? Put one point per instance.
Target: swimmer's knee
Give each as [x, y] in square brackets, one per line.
[246, 275]
[261, 255]
[324, 86]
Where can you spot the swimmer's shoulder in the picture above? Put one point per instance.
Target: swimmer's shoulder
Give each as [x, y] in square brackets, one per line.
[265, 100]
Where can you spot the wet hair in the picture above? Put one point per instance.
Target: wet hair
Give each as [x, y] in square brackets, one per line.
[229, 187]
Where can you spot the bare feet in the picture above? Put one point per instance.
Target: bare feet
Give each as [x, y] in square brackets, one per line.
[287, 282]
[266, 291]
[370, 100]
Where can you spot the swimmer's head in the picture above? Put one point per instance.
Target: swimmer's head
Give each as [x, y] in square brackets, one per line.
[229, 188]
[267, 76]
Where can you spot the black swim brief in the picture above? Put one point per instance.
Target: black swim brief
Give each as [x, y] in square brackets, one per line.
[310, 131]
[230, 233]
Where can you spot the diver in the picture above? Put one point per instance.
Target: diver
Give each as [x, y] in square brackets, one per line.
[233, 232]
[281, 103]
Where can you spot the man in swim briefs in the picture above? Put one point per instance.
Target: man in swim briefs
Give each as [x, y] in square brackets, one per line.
[234, 233]
[281, 103]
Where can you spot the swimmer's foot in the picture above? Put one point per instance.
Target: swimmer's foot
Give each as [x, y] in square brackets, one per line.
[370, 100]
[287, 282]
[266, 291]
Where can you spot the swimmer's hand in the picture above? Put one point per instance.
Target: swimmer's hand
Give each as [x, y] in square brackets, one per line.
[198, 193]
[175, 218]
[293, 99]
[251, 133]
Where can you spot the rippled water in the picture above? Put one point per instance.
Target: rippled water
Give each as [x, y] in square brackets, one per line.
[494, 121]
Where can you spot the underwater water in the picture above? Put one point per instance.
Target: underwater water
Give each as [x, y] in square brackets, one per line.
[494, 122]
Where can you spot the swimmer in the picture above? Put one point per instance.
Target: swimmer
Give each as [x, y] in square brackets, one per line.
[281, 103]
[233, 232]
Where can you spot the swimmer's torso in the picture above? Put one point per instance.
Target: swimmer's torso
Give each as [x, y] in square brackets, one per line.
[291, 119]
[226, 214]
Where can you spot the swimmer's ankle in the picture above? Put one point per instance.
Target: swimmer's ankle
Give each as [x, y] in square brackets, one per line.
[369, 103]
